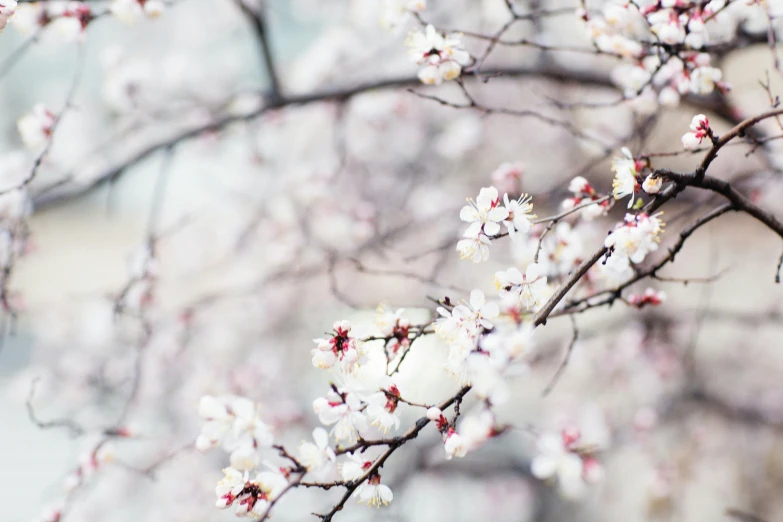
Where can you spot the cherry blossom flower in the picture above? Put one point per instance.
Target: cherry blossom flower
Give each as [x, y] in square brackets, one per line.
[626, 170]
[580, 185]
[394, 326]
[340, 347]
[7, 9]
[436, 415]
[35, 128]
[29, 17]
[632, 240]
[476, 428]
[700, 129]
[510, 344]
[703, 80]
[354, 468]
[373, 493]
[230, 487]
[519, 214]
[529, 290]
[453, 445]
[485, 214]
[233, 423]
[381, 408]
[219, 421]
[464, 320]
[442, 56]
[69, 19]
[255, 498]
[317, 456]
[475, 249]
[666, 26]
[555, 461]
[649, 297]
[345, 413]
[486, 377]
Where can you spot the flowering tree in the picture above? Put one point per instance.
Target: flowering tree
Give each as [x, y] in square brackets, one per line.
[344, 165]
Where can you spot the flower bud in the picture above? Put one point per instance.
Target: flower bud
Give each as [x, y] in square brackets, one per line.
[652, 185]
[434, 414]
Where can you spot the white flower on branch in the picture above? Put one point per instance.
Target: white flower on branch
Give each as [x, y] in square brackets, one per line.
[346, 413]
[700, 129]
[453, 445]
[626, 170]
[632, 240]
[705, 79]
[340, 347]
[525, 291]
[442, 57]
[666, 26]
[29, 17]
[381, 409]
[475, 249]
[229, 487]
[465, 320]
[559, 459]
[35, 128]
[233, 422]
[317, 456]
[250, 498]
[485, 214]
[373, 493]
[519, 217]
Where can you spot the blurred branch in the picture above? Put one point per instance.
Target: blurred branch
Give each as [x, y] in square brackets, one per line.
[258, 20]
[341, 94]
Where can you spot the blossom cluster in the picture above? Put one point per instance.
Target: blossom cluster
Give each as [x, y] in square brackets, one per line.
[632, 240]
[485, 216]
[442, 57]
[665, 43]
[69, 18]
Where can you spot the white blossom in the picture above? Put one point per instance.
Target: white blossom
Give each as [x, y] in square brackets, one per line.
[520, 210]
[346, 415]
[632, 240]
[453, 445]
[555, 462]
[625, 173]
[442, 57]
[485, 214]
[35, 128]
[317, 455]
[7, 10]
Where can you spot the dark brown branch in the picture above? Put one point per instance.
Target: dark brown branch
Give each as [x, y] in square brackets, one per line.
[393, 444]
[258, 21]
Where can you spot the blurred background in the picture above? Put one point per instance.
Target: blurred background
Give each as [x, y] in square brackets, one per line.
[169, 254]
